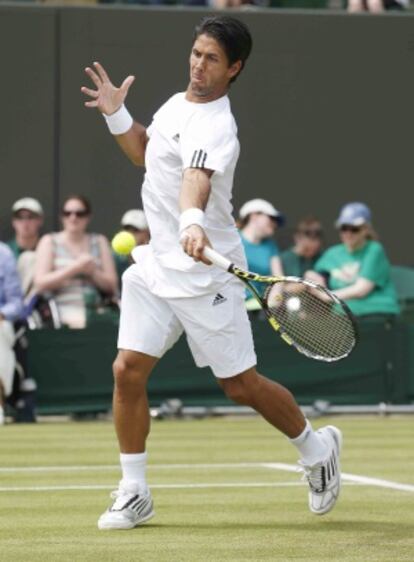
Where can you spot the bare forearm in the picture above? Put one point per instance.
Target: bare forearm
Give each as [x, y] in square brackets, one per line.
[133, 143]
[360, 289]
[195, 189]
[104, 281]
[54, 279]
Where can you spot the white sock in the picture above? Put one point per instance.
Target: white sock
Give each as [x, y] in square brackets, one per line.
[310, 446]
[134, 467]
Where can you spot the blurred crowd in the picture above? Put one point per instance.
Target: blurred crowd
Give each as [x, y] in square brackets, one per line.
[71, 278]
[352, 6]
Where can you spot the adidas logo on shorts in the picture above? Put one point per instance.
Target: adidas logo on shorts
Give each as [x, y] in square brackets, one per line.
[218, 299]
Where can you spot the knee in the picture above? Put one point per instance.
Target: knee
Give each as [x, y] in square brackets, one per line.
[236, 389]
[128, 376]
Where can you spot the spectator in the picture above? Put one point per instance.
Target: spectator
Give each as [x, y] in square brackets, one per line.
[357, 269]
[27, 221]
[73, 265]
[132, 221]
[11, 305]
[376, 6]
[306, 250]
[259, 221]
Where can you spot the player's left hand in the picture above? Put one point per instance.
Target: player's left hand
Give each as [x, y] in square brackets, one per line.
[193, 241]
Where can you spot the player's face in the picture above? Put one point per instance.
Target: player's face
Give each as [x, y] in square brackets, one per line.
[210, 72]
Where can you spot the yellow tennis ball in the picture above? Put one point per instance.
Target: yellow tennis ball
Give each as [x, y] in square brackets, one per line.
[123, 243]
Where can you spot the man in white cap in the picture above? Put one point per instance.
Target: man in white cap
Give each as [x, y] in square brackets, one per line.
[27, 221]
[135, 222]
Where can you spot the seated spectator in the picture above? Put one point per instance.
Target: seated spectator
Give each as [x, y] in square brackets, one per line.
[306, 250]
[135, 222]
[74, 266]
[376, 6]
[357, 269]
[259, 221]
[27, 221]
[11, 305]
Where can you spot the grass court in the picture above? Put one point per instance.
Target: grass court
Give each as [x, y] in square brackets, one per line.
[224, 490]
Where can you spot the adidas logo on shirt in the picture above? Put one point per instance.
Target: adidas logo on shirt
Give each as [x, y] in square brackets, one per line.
[176, 137]
[219, 299]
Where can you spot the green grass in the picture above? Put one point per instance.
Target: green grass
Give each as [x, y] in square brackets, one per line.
[211, 524]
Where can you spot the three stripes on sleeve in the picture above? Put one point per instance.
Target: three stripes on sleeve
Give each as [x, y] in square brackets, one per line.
[199, 159]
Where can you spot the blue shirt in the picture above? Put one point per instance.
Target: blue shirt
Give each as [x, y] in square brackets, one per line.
[259, 257]
[11, 300]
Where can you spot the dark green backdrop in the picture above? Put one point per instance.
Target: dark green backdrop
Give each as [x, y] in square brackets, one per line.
[324, 109]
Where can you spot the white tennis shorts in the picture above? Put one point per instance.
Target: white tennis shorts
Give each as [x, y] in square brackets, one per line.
[216, 324]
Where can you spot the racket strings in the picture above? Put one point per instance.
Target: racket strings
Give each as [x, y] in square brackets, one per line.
[311, 318]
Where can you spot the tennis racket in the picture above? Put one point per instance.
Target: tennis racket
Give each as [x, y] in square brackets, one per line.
[306, 315]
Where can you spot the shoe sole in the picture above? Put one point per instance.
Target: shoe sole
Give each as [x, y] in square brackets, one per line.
[126, 528]
[337, 437]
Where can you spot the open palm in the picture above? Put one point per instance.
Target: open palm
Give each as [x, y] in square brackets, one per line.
[107, 98]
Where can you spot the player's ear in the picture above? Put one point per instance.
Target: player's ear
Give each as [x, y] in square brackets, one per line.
[235, 68]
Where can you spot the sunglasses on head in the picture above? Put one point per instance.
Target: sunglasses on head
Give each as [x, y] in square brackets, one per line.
[350, 228]
[79, 214]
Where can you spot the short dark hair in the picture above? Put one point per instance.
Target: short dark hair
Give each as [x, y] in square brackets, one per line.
[232, 35]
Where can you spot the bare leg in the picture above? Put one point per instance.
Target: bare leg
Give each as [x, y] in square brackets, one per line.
[270, 399]
[130, 402]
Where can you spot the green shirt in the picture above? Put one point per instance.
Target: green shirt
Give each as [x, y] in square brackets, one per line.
[370, 262]
[296, 265]
[12, 244]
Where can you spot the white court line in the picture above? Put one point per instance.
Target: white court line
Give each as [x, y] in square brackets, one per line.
[159, 486]
[75, 468]
[355, 478]
[346, 477]
[366, 480]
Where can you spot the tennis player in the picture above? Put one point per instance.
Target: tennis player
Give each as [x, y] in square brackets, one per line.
[190, 151]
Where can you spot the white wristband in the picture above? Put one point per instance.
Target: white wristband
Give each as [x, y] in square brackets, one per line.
[119, 122]
[191, 216]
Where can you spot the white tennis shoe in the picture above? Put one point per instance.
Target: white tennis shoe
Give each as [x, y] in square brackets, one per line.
[324, 477]
[130, 509]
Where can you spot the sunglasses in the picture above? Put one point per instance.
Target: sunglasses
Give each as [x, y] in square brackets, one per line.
[79, 214]
[317, 233]
[350, 228]
[25, 217]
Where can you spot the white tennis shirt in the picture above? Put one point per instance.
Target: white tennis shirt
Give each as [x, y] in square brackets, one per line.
[185, 135]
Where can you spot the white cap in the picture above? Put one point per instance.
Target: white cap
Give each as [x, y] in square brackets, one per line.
[135, 218]
[261, 206]
[28, 204]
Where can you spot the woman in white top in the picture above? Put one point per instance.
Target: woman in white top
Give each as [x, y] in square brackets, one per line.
[73, 264]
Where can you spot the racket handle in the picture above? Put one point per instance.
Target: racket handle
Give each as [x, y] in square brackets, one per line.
[216, 258]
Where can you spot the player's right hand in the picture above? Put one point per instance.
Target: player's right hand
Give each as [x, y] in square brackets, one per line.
[107, 98]
[193, 241]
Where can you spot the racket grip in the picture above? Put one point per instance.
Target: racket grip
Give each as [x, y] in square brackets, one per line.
[216, 258]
